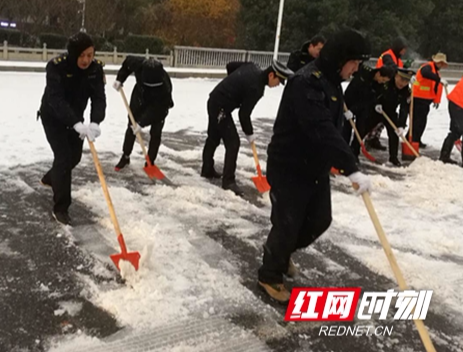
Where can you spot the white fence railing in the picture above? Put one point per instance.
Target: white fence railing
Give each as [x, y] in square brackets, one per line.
[192, 57]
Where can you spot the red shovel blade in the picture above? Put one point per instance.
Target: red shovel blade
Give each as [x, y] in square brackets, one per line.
[132, 257]
[367, 155]
[335, 171]
[261, 183]
[152, 170]
[458, 145]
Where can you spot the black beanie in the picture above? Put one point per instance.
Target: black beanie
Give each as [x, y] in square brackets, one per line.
[78, 43]
[152, 73]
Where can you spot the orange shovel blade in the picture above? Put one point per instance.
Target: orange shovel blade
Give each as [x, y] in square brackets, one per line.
[261, 183]
[153, 171]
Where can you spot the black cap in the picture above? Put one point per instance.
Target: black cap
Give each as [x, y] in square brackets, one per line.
[152, 73]
[281, 71]
[398, 44]
[344, 46]
[406, 73]
[78, 43]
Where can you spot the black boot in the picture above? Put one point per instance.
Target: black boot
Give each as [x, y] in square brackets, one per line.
[62, 217]
[446, 151]
[234, 188]
[46, 180]
[422, 145]
[210, 173]
[395, 161]
[125, 160]
[375, 143]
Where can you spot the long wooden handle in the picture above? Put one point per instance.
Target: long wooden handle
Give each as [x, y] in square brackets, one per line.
[99, 170]
[256, 159]
[357, 134]
[395, 268]
[401, 136]
[134, 124]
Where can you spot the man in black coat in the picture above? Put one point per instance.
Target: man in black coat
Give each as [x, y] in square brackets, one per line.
[242, 90]
[72, 79]
[393, 94]
[310, 50]
[360, 98]
[150, 103]
[306, 143]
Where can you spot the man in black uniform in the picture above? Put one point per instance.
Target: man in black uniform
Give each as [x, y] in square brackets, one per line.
[242, 89]
[306, 143]
[360, 98]
[310, 50]
[72, 79]
[150, 103]
[392, 94]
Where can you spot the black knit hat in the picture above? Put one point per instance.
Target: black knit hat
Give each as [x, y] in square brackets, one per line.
[78, 43]
[344, 46]
[152, 73]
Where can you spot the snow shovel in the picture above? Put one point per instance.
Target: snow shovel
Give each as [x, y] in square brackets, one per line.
[395, 266]
[151, 170]
[362, 145]
[401, 136]
[132, 257]
[458, 145]
[260, 180]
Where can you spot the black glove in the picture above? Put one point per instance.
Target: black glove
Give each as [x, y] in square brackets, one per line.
[435, 106]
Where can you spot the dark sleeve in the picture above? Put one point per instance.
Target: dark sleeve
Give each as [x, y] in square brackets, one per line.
[316, 121]
[57, 100]
[426, 72]
[129, 66]
[169, 90]
[389, 61]
[294, 61]
[404, 109]
[249, 103]
[98, 98]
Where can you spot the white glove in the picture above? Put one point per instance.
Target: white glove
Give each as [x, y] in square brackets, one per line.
[348, 115]
[81, 129]
[379, 109]
[250, 138]
[117, 85]
[362, 180]
[94, 131]
[399, 132]
[444, 82]
[413, 80]
[137, 129]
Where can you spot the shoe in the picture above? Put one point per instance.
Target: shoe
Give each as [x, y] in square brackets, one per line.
[375, 144]
[395, 162]
[125, 160]
[62, 217]
[234, 188]
[210, 174]
[45, 181]
[408, 157]
[292, 269]
[422, 145]
[276, 291]
[449, 161]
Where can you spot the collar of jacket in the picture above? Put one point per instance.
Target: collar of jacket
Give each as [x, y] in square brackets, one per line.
[329, 70]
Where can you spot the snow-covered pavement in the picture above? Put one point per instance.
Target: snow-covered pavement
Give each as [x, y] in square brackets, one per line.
[205, 243]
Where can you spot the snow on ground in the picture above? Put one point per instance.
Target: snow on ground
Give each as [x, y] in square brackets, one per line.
[421, 214]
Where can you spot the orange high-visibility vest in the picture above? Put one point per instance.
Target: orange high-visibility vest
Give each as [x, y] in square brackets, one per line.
[397, 61]
[456, 95]
[425, 88]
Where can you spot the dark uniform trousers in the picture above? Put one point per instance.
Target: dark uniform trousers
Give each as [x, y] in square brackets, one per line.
[221, 127]
[67, 150]
[421, 109]
[301, 212]
[155, 140]
[456, 130]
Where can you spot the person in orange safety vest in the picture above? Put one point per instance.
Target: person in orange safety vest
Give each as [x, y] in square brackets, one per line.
[427, 89]
[456, 123]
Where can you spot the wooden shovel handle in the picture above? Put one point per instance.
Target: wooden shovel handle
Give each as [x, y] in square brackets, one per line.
[134, 124]
[395, 268]
[402, 136]
[256, 159]
[99, 170]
